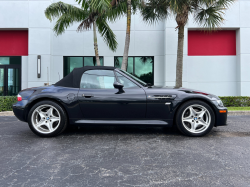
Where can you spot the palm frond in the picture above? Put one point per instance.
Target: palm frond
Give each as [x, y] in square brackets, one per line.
[210, 18]
[176, 6]
[55, 10]
[215, 3]
[100, 5]
[85, 4]
[155, 10]
[62, 24]
[117, 11]
[87, 23]
[107, 34]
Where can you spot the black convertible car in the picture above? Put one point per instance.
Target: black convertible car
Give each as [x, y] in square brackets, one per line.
[109, 96]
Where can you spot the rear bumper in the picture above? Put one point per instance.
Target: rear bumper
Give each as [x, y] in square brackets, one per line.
[221, 118]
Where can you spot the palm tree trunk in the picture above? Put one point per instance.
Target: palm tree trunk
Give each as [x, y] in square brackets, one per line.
[179, 64]
[127, 40]
[98, 63]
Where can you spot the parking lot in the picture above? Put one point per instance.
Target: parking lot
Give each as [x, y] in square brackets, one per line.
[125, 156]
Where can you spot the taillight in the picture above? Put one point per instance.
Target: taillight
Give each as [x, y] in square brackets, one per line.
[19, 97]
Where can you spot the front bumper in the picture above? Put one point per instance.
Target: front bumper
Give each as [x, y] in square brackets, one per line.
[221, 118]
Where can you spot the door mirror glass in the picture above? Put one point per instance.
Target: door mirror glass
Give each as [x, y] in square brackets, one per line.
[118, 85]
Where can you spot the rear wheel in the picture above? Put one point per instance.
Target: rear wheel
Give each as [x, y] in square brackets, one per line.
[47, 119]
[195, 118]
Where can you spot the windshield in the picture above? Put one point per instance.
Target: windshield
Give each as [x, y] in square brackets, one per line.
[134, 78]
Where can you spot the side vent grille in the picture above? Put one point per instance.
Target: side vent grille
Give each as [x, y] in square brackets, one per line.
[162, 97]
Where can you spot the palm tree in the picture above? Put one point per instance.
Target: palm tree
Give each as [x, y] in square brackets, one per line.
[92, 12]
[207, 13]
[127, 39]
[119, 8]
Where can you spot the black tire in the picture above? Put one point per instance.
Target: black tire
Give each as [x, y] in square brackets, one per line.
[181, 126]
[61, 126]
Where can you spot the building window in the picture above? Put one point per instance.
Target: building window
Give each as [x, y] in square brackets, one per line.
[76, 62]
[141, 67]
[215, 43]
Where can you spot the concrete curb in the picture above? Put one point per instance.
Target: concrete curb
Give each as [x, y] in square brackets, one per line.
[239, 113]
[230, 113]
[7, 113]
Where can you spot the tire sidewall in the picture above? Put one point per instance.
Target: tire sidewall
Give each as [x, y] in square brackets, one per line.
[63, 121]
[181, 127]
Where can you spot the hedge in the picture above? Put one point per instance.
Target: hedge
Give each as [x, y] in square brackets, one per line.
[6, 102]
[228, 101]
[236, 101]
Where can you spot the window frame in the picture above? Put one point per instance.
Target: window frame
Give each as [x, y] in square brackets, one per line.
[134, 64]
[115, 71]
[82, 62]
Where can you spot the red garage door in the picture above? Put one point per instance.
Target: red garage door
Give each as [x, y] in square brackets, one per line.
[213, 43]
[14, 43]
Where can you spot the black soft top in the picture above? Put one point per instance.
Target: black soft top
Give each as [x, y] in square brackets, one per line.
[74, 78]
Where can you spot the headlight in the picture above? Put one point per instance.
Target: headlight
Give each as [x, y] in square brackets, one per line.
[219, 103]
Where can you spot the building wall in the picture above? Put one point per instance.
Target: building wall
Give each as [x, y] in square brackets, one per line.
[221, 75]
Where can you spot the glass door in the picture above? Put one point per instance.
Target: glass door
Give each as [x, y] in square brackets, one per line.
[14, 83]
[10, 80]
[2, 89]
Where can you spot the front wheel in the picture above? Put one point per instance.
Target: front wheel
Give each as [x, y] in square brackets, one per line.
[47, 119]
[195, 118]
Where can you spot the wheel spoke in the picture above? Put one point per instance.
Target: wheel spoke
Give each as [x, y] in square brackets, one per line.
[40, 123]
[193, 127]
[49, 125]
[192, 111]
[202, 122]
[41, 113]
[54, 118]
[201, 113]
[50, 112]
[188, 119]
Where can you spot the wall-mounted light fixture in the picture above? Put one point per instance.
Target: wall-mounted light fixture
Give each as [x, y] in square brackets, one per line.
[39, 66]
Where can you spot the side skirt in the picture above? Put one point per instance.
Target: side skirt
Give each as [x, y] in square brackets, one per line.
[125, 122]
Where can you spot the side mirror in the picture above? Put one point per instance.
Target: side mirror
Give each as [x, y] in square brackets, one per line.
[118, 85]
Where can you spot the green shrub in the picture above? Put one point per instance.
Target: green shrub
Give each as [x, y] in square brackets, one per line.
[6, 102]
[236, 101]
[228, 101]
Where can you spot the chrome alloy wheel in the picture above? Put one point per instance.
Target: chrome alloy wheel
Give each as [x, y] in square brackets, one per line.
[45, 119]
[196, 118]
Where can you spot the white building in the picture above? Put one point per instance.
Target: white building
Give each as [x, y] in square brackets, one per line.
[218, 63]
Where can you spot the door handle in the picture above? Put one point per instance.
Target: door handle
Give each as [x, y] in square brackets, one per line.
[87, 95]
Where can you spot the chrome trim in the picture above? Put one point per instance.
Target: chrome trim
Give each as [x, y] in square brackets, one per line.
[129, 122]
[162, 97]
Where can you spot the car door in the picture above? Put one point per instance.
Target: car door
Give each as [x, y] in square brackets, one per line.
[100, 100]
[159, 104]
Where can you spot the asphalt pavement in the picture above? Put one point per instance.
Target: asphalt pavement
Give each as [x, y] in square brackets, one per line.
[125, 156]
